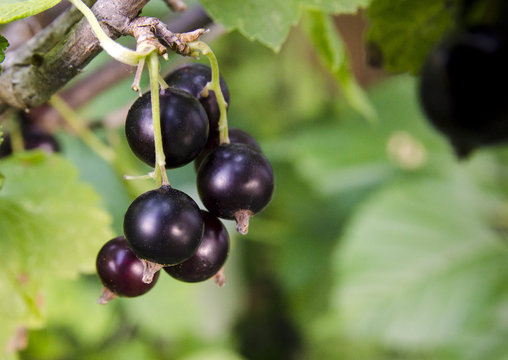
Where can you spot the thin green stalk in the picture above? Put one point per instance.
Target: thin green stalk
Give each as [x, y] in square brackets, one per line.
[160, 159]
[73, 120]
[17, 142]
[214, 85]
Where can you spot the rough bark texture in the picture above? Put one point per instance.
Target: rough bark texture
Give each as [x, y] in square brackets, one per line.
[34, 72]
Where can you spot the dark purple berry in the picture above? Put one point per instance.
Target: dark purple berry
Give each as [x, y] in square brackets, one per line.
[40, 140]
[210, 256]
[32, 140]
[120, 270]
[184, 127]
[193, 77]
[163, 226]
[236, 136]
[461, 88]
[5, 146]
[235, 182]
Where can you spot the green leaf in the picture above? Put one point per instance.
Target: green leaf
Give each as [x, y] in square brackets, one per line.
[269, 21]
[2, 177]
[404, 31]
[3, 45]
[326, 40]
[347, 156]
[213, 354]
[421, 267]
[12, 10]
[51, 226]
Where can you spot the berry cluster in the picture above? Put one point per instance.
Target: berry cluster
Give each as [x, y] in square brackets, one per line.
[164, 227]
[462, 84]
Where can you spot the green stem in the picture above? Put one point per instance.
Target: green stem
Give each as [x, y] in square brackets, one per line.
[115, 50]
[73, 120]
[160, 159]
[17, 142]
[214, 85]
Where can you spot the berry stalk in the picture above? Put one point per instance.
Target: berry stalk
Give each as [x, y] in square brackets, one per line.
[76, 124]
[160, 158]
[214, 85]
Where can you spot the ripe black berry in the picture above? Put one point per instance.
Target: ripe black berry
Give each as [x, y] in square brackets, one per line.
[193, 77]
[40, 140]
[184, 127]
[120, 271]
[163, 226]
[210, 256]
[32, 140]
[235, 182]
[462, 86]
[5, 146]
[236, 136]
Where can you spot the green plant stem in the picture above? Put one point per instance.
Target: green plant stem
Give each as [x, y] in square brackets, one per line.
[214, 85]
[161, 177]
[115, 50]
[76, 124]
[17, 142]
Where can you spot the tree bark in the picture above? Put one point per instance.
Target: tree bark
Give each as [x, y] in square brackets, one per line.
[34, 72]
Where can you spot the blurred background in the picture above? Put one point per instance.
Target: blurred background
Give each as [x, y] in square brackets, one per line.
[378, 243]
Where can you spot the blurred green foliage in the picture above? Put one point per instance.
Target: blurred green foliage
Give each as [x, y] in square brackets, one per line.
[377, 244]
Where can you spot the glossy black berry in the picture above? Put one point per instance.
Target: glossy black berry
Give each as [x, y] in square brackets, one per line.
[163, 226]
[236, 136]
[462, 88]
[184, 127]
[235, 182]
[120, 270]
[193, 77]
[210, 256]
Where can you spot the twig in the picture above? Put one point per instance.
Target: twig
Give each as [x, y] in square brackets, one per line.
[63, 49]
[176, 5]
[113, 72]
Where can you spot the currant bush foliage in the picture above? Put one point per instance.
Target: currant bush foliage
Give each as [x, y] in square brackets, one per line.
[15, 9]
[404, 31]
[51, 226]
[407, 244]
[269, 21]
[3, 46]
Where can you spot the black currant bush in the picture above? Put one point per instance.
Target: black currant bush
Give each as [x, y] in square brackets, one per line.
[377, 243]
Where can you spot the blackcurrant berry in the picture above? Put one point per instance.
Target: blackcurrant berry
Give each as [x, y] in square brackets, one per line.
[163, 226]
[5, 146]
[184, 127]
[193, 77]
[462, 88]
[235, 182]
[236, 136]
[40, 140]
[32, 140]
[210, 256]
[121, 271]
